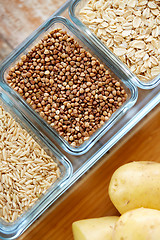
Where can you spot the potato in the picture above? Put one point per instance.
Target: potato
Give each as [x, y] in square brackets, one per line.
[136, 185]
[94, 229]
[138, 224]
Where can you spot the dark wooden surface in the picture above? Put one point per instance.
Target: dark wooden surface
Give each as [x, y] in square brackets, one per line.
[89, 197]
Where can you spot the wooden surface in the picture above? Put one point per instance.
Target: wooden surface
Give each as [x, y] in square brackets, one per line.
[88, 198]
[18, 19]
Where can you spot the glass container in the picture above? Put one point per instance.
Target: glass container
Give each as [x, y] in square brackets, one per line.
[116, 71]
[74, 10]
[14, 229]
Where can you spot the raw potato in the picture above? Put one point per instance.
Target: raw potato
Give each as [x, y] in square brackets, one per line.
[138, 224]
[136, 185]
[94, 229]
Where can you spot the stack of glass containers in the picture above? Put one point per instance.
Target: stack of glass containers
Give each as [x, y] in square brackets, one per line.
[47, 136]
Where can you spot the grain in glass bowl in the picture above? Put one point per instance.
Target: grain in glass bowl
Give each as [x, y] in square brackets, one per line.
[130, 29]
[67, 86]
[26, 171]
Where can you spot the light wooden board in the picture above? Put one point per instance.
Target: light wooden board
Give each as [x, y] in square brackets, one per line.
[19, 18]
[89, 197]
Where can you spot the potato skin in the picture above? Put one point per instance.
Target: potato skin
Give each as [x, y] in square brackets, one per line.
[94, 229]
[138, 224]
[135, 185]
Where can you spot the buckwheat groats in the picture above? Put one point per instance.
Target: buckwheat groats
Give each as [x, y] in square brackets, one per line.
[67, 86]
[26, 171]
[130, 29]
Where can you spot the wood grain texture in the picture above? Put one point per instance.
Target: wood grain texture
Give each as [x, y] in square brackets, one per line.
[5, 49]
[89, 197]
[19, 18]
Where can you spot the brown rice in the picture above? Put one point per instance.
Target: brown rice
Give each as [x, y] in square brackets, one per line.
[26, 171]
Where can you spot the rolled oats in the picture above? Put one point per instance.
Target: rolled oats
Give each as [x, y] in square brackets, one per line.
[138, 44]
[136, 22]
[152, 4]
[130, 29]
[120, 51]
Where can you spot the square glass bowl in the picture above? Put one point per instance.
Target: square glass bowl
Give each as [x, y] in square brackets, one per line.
[14, 229]
[117, 72]
[74, 10]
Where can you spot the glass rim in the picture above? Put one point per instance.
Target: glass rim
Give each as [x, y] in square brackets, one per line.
[83, 148]
[141, 84]
[10, 229]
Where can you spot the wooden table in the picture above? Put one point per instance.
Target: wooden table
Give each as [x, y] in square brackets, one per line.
[89, 197]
